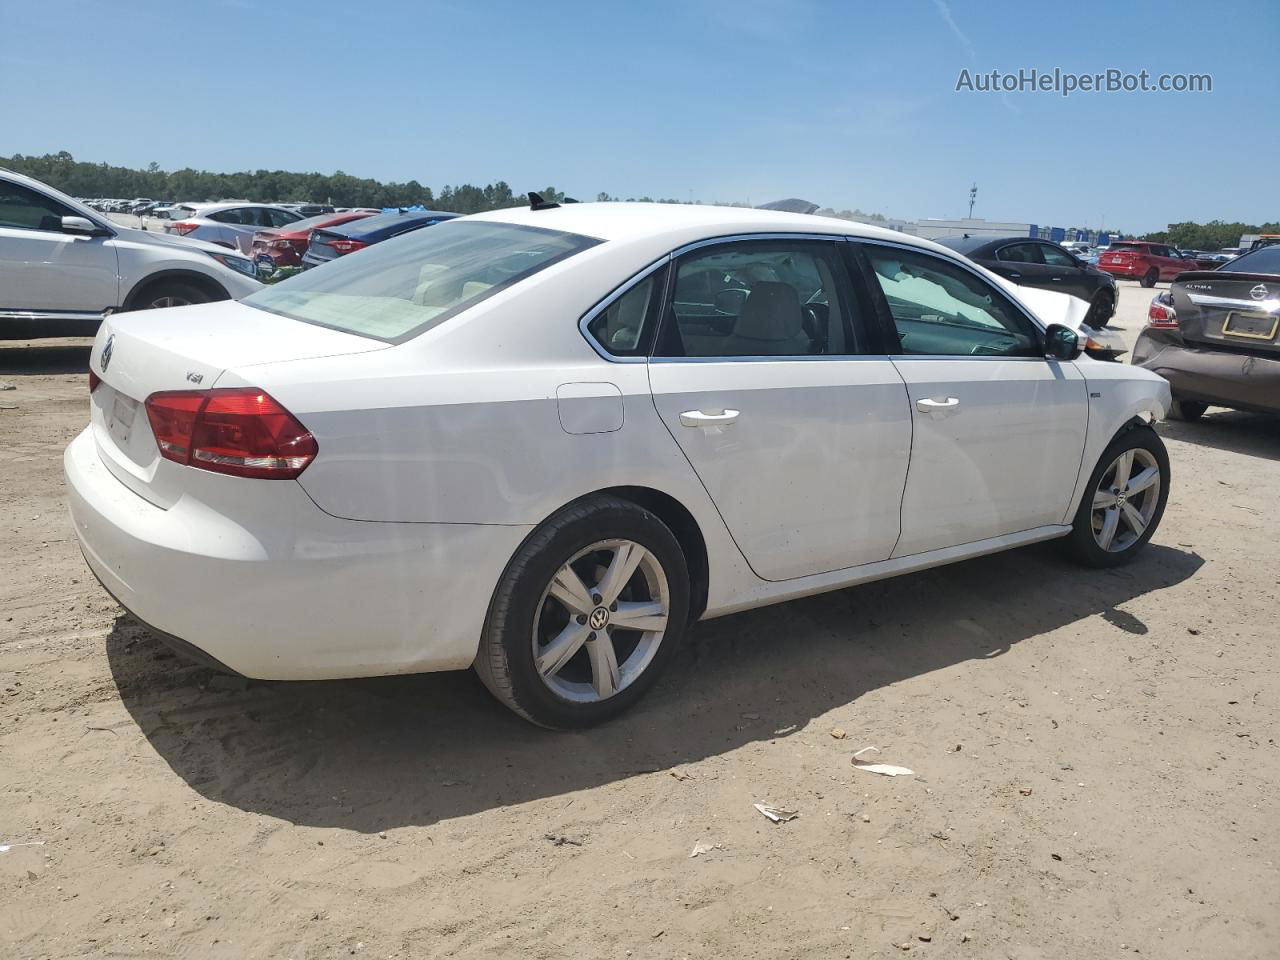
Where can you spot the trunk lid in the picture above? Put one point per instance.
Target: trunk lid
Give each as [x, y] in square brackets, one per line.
[185, 348]
[1234, 311]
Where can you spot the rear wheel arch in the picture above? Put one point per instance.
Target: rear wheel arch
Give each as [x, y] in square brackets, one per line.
[138, 295]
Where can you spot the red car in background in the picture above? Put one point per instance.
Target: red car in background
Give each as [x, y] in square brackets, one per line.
[284, 247]
[1148, 263]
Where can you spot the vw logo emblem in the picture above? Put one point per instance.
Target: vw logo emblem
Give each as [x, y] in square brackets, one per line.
[599, 618]
[105, 360]
[1259, 292]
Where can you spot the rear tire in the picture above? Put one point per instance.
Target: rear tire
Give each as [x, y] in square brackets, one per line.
[1150, 278]
[555, 648]
[1187, 409]
[1124, 500]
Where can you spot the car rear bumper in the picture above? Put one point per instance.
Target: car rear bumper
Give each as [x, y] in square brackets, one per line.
[1124, 271]
[285, 591]
[1237, 380]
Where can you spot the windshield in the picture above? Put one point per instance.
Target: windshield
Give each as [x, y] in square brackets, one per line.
[397, 289]
[1262, 260]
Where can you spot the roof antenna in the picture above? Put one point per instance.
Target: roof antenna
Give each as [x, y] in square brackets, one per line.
[537, 203]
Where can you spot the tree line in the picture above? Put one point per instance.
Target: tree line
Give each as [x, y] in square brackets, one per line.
[1213, 235]
[81, 179]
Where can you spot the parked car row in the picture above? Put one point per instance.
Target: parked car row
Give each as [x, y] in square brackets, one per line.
[64, 266]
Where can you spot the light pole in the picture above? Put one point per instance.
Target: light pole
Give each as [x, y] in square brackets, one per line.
[973, 195]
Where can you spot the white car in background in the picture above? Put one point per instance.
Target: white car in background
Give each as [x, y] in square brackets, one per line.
[228, 224]
[542, 442]
[63, 265]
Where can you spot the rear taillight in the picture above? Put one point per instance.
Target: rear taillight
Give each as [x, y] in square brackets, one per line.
[1161, 317]
[184, 226]
[240, 431]
[347, 246]
[94, 381]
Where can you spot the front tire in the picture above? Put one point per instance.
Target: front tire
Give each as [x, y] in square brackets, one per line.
[1187, 409]
[587, 615]
[1150, 278]
[1101, 310]
[173, 293]
[1124, 501]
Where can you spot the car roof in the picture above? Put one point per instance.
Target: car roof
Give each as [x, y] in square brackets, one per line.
[644, 221]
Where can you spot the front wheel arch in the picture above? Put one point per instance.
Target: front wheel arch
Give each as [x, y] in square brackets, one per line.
[138, 295]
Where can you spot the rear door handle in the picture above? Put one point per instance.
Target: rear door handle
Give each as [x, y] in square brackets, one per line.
[938, 407]
[702, 418]
[1014, 275]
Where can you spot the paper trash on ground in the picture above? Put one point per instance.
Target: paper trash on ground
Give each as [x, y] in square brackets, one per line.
[884, 769]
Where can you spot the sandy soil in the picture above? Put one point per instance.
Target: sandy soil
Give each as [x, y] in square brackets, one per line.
[1096, 754]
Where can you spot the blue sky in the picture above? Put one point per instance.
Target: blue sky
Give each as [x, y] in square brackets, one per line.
[849, 104]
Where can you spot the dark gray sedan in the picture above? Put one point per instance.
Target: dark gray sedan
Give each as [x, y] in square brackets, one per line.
[1215, 336]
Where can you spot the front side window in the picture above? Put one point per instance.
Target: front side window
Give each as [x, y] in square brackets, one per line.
[280, 218]
[759, 298]
[26, 209]
[1021, 253]
[398, 288]
[942, 309]
[1057, 258]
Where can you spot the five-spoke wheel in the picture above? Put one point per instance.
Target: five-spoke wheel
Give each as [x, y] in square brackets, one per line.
[587, 614]
[1125, 499]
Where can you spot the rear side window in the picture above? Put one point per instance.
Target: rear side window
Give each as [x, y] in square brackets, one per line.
[759, 298]
[398, 288]
[235, 215]
[280, 218]
[1021, 253]
[28, 210]
[623, 328]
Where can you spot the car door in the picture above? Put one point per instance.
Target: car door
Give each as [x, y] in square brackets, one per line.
[43, 269]
[1065, 273]
[998, 429]
[760, 374]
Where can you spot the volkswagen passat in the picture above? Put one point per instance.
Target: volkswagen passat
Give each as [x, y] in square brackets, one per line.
[542, 442]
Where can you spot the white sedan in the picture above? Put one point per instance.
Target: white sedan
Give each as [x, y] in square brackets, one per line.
[542, 442]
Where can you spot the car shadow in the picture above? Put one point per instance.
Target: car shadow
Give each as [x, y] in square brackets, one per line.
[45, 357]
[1251, 434]
[370, 755]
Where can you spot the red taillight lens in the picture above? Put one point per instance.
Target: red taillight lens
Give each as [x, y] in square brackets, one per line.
[94, 381]
[242, 432]
[1161, 317]
[185, 226]
[347, 246]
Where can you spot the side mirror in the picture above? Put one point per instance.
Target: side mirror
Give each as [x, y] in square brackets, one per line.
[1061, 343]
[82, 225]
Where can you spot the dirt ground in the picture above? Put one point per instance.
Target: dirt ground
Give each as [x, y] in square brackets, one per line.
[1097, 772]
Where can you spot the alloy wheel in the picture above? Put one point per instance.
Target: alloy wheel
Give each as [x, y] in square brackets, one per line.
[601, 621]
[169, 302]
[1125, 500]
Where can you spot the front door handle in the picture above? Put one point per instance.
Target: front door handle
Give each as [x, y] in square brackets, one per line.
[702, 418]
[938, 407]
[1014, 275]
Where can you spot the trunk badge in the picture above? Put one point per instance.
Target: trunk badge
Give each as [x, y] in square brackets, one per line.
[105, 360]
[1258, 293]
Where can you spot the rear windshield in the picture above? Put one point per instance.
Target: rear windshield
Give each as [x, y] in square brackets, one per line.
[1262, 260]
[397, 289]
[1127, 247]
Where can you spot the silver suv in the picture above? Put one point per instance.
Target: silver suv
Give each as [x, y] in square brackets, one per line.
[63, 267]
